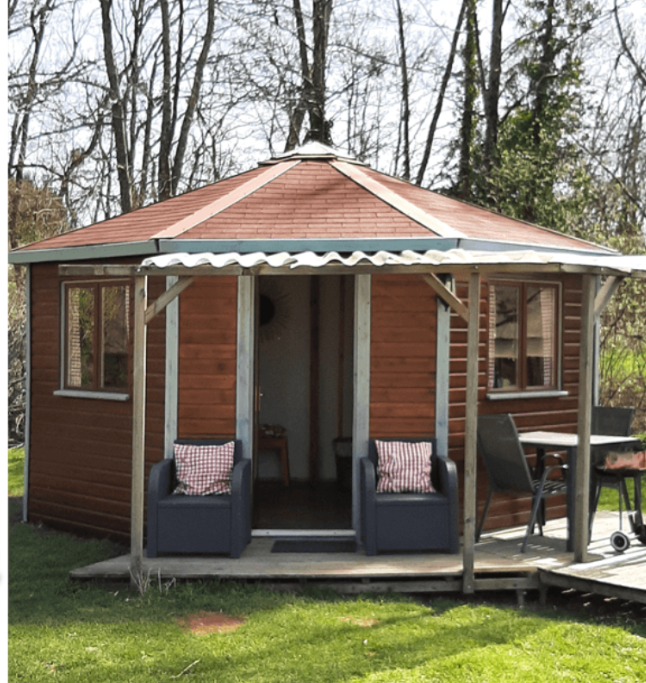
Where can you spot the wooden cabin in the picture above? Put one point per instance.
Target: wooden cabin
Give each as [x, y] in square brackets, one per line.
[320, 297]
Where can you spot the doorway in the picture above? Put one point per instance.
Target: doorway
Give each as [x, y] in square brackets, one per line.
[304, 403]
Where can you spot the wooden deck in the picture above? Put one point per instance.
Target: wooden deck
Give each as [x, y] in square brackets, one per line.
[609, 573]
[499, 565]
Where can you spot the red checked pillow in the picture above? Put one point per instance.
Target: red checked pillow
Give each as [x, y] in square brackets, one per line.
[404, 467]
[204, 470]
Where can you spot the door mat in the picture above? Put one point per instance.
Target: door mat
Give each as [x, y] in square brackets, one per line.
[314, 545]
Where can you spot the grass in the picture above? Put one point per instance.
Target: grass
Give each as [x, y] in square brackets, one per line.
[609, 498]
[64, 631]
[16, 481]
[78, 632]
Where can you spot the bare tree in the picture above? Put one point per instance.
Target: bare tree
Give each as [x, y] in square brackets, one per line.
[405, 117]
[118, 114]
[313, 72]
[441, 94]
[168, 180]
[38, 20]
[491, 92]
[465, 170]
[628, 49]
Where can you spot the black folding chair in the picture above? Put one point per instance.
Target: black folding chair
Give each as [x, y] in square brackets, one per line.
[508, 471]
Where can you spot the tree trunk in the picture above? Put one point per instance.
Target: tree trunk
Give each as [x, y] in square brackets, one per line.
[405, 94]
[20, 134]
[118, 113]
[164, 189]
[492, 94]
[546, 67]
[319, 126]
[196, 89]
[298, 114]
[470, 91]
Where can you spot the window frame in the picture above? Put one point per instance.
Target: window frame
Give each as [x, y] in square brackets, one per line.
[95, 390]
[521, 390]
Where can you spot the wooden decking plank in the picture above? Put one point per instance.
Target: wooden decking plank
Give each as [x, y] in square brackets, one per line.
[621, 575]
[590, 585]
[499, 565]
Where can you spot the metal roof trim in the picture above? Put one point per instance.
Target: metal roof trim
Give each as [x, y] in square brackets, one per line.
[322, 245]
[84, 253]
[479, 244]
[396, 244]
[365, 244]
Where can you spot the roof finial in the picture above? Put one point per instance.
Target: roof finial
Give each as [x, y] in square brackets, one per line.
[312, 150]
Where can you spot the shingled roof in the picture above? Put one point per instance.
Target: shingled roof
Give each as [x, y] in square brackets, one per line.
[310, 198]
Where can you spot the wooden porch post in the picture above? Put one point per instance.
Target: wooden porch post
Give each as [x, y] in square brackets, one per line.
[245, 379]
[138, 430]
[582, 466]
[442, 376]
[470, 436]
[361, 388]
[172, 371]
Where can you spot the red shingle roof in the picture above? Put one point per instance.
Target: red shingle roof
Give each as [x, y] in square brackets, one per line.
[475, 222]
[311, 194]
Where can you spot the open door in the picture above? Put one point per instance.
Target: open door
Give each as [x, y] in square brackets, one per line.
[304, 391]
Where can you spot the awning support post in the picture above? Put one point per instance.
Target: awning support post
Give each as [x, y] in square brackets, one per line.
[361, 388]
[138, 432]
[582, 465]
[470, 436]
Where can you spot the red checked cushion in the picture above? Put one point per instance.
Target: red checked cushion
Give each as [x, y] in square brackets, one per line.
[404, 467]
[203, 470]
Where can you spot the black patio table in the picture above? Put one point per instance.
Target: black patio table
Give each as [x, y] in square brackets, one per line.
[562, 441]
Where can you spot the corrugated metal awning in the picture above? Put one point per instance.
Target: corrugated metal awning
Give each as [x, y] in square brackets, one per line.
[435, 260]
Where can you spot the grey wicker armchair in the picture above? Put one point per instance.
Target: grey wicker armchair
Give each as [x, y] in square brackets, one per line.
[400, 522]
[196, 525]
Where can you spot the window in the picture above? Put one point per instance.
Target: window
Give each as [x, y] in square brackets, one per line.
[97, 332]
[523, 336]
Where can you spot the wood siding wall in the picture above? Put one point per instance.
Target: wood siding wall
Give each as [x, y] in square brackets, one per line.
[402, 357]
[80, 449]
[207, 358]
[558, 414]
[80, 455]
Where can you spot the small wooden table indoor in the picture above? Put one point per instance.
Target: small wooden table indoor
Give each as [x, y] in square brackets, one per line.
[278, 444]
[561, 441]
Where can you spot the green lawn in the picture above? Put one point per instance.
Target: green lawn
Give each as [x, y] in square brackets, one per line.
[609, 498]
[64, 631]
[15, 480]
